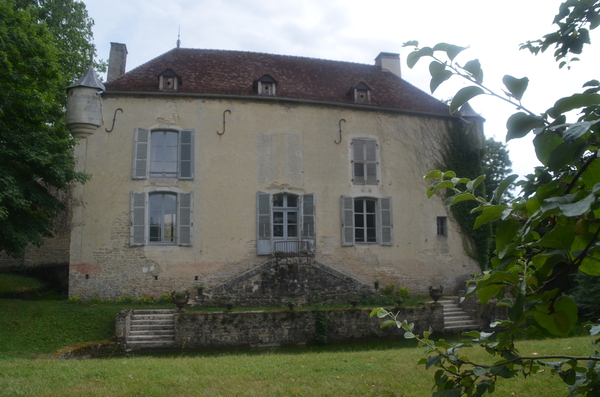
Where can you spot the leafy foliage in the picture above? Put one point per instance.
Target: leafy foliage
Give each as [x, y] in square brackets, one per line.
[547, 233]
[42, 48]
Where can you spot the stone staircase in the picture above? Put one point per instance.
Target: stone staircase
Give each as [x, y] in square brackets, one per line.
[456, 320]
[151, 329]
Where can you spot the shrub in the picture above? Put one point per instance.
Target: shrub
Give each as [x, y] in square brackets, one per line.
[74, 299]
[96, 300]
[146, 299]
[165, 298]
[125, 299]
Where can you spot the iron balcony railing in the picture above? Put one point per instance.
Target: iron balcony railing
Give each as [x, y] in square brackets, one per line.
[292, 248]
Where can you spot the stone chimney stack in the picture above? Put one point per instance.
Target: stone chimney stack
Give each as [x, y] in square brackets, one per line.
[116, 61]
[388, 62]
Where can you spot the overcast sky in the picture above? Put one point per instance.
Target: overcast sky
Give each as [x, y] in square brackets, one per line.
[354, 31]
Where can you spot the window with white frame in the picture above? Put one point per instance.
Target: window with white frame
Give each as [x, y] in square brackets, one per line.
[161, 217]
[284, 217]
[366, 220]
[163, 154]
[364, 161]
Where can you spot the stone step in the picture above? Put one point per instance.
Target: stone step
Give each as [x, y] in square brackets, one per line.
[151, 327]
[456, 318]
[149, 344]
[166, 317]
[133, 338]
[151, 322]
[459, 322]
[464, 327]
[153, 311]
[157, 332]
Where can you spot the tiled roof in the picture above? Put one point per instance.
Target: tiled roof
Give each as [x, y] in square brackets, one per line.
[234, 72]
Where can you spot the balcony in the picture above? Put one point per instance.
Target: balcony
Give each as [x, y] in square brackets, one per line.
[292, 249]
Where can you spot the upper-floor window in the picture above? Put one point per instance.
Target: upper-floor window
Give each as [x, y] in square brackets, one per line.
[266, 85]
[442, 226]
[163, 154]
[362, 93]
[367, 220]
[168, 80]
[285, 216]
[364, 161]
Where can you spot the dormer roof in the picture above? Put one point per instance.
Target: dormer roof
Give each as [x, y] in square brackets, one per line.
[217, 72]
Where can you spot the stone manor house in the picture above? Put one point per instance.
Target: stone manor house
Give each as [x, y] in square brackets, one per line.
[207, 164]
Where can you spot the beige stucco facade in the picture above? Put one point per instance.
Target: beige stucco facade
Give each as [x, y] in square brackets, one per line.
[273, 146]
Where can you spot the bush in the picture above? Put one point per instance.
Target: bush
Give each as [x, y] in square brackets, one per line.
[165, 298]
[146, 299]
[74, 299]
[96, 300]
[585, 294]
[125, 299]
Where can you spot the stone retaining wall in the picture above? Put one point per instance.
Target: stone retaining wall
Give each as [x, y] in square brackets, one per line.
[297, 327]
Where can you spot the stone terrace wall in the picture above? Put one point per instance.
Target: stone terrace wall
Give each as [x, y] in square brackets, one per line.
[298, 327]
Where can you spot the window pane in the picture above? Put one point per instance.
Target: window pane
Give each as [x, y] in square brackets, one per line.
[277, 230]
[292, 201]
[359, 170]
[371, 236]
[277, 217]
[162, 214]
[292, 217]
[359, 235]
[359, 220]
[292, 231]
[278, 200]
[370, 206]
[358, 206]
[371, 220]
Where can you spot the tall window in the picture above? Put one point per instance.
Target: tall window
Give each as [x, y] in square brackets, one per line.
[285, 216]
[163, 154]
[367, 220]
[364, 161]
[365, 230]
[162, 218]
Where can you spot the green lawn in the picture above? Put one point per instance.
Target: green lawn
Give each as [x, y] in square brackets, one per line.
[31, 329]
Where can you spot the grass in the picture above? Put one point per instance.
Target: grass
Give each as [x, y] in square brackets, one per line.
[12, 283]
[308, 372]
[30, 330]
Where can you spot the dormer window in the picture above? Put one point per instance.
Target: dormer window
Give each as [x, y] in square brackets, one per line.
[266, 85]
[168, 81]
[362, 93]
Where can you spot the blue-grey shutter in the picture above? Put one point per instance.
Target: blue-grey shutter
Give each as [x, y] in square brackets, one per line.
[263, 223]
[140, 154]
[371, 162]
[358, 162]
[138, 219]
[347, 209]
[185, 219]
[387, 224]
[309, 219]
[186, 154]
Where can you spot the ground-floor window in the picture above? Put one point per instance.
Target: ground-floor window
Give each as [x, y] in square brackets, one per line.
[162, 218]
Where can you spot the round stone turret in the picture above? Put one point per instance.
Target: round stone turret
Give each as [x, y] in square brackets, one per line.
[84, 105]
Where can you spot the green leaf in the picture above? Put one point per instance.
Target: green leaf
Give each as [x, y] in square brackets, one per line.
[388, 323]
[382, 313]
[409, 335]
[433, 174]
[479, 371]
[515, 86]
[591, 175]
[561, 238]
[458, 198]
[565, 154]
[432, 360]
[489, 213]
[411, 43]
[578, 208]
[506, 182]
[474, 68]
[561, 320]
[544, 144]
[453, 51]
[520, 124]
[375, 311]
[414, 56]
[575, 101]
[463, 96]
[576, 130]
[595, 330]
[471, 186]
